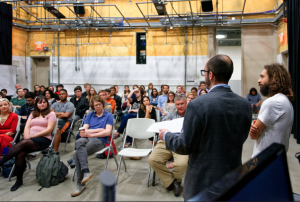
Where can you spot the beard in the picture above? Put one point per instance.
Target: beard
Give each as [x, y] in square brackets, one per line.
[265, 90]
[207, 81]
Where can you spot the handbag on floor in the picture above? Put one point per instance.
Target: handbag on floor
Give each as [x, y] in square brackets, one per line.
[7, 167]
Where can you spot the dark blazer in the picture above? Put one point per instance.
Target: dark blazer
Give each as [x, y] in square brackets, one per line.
[82, 106]
[215, 128]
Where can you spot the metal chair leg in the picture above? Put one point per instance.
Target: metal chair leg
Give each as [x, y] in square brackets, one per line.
[124, 164]
[11, 172]
[116, 160]
[148, 176]
[67, 140]
[28, 163]
[121, 157]
[153, 179]
[73, 176]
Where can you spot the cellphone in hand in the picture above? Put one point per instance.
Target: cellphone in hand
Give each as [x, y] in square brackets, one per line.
[81, 128]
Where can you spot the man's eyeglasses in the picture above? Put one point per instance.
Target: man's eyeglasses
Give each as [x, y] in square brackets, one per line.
[203, 72]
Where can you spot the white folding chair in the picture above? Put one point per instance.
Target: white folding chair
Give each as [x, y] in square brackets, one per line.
[110, 149]
[70, 131]
[13, 109]
[137, 128]
[34, 153]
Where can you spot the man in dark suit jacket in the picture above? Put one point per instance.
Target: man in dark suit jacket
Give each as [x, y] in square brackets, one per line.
[215, 128]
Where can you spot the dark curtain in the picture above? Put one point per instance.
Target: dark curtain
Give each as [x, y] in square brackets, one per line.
[5, 34]
[293, 23]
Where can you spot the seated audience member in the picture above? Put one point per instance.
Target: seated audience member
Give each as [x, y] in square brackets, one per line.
[110, 100]
[63, 111]
[26, 109]
[4, 91]
[202, 86]
[132, 113]
[276, 117]
[37, 136]
[202, 92]
[87, 88]
[143, 87]
[51, 88]
[255, 99]
[91, 93]
[163, 98]
[184, 90]
[179, 91]
[42, 89]
[161, 89]
[190, 97]
[149, 90]
[80, 103]
[125, 103]
[17, 86]
[194, 91]
[147, 110]
[50, 96]
[98, 126]
[160, 155]
[37, 90]
[117, 98]
[58, 88]
[135, 86]
[154, 97]
[107, 106]
[169, 106]
[8, 124]
[20, 100]
[119, 93]
[25, 90]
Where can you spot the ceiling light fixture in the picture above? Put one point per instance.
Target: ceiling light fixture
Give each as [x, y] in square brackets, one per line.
[221, 36]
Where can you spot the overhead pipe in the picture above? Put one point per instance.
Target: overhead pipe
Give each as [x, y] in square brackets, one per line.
[243, 12]
[58, 69]
[185, 57]
[25, 55]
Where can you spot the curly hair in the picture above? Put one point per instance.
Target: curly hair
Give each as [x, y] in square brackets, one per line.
[280, 80]
[251, 90]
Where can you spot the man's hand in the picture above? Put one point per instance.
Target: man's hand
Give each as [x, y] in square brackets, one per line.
[257, 105]
[9, 133]
[252, 105]
[83, 133]
[254, 132]
[161, 133]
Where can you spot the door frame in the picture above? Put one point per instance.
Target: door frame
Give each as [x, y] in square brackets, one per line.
[33, 78]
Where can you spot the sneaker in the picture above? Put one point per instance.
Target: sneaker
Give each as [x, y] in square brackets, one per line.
[79, 189]
[86, 177]
[71, 162]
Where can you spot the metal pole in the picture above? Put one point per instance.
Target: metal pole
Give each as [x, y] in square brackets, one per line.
[243, 11]
[185, 58]
[142, 14]
[36, 17]
[58, 71]
[217, 12]
[25, 55]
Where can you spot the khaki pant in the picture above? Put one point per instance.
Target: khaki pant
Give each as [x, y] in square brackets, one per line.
[158, 159]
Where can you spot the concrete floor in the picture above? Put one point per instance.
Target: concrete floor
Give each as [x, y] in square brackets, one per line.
[132, 186]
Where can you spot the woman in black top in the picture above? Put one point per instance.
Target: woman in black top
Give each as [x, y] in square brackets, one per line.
[147, 110]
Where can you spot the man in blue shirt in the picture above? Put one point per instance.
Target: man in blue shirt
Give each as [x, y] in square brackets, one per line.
[97, 129]
[162, 99]
[255, 99]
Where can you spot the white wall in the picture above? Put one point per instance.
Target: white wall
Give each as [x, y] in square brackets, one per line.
[103, 72]
[234, 52]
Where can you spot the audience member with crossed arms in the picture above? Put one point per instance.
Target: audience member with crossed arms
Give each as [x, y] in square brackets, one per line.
[160, 155]
[97, 129]
[63, 111]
